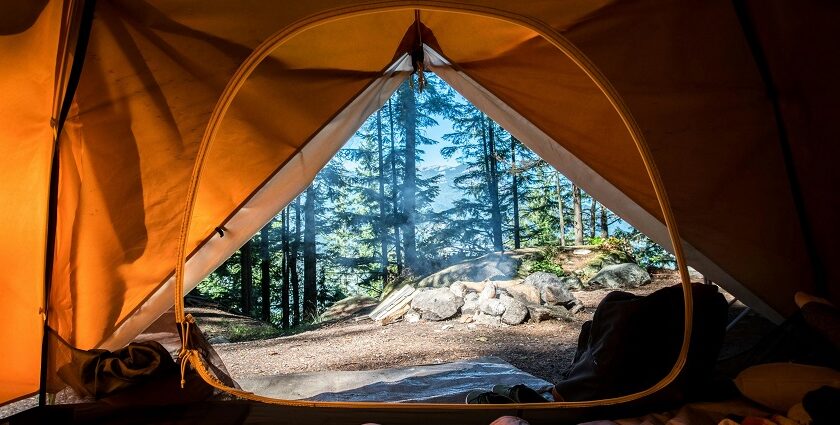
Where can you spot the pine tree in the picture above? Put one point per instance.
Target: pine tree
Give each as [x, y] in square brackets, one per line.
[310, 289]
[265, 273]
[578, 215]
[246, 277]
[284, 293]
[294, 279]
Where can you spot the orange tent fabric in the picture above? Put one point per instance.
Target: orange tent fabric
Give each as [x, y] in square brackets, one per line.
[154, 71]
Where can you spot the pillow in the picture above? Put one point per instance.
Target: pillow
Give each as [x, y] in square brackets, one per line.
[780, 386]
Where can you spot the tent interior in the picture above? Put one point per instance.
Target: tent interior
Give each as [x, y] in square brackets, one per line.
[133, 131]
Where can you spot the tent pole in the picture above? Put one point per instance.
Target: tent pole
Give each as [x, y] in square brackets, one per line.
[52, 215]
[751, 36]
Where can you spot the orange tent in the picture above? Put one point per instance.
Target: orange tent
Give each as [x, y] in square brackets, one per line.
[726, 106]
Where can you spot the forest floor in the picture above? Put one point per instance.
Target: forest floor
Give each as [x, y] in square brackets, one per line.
[543, 349]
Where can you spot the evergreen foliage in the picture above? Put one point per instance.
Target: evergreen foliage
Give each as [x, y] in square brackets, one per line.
[370, 217]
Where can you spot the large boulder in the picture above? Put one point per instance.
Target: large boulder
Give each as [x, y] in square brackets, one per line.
[515, 311]
[528, 294]
[572, 282]
[608, 258]
[470, 306]
[493, 266]
[437, 304]
[620, 276]
[541, 313]
[492, 307]
[553, 290]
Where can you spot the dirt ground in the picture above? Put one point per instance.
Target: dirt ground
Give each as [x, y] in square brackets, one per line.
[543, 349]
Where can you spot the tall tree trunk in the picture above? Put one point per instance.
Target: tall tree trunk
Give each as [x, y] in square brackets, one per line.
[246, 277]
[514, 192]
[560, 210]
[310, 288]
[578, 215]
[265, 273]
[409, 190]
[605, 230]
[394, 188]
[593, 205]
[294, 278]
[383, 230]
[495, 209]
[284, 293]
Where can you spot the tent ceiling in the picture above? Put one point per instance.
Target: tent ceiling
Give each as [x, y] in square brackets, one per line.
[155, 70]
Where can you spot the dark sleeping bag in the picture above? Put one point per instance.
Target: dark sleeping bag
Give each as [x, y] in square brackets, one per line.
[632, 342]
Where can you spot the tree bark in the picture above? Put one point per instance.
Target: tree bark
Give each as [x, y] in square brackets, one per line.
[495, 210]
[293, 269]
[605, 227]
[265, 273]
[310, 288]
[560, 210]
[284, 293]
[514, 193]
[394, 188]
[383, 230]
[593, 205]
[409, 190]
[246, 277]
[578, 215]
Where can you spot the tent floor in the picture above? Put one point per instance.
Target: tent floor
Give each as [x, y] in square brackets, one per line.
[244, 412]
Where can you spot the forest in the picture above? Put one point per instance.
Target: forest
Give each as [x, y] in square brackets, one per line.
[428, 180]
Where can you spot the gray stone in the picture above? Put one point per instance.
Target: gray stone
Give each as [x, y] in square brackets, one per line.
[619, 276]
[458, 288]
[492, 307]
[486, 319]
[572, 282]
[552, 289]
[489, 292]
[602, 260]
[470, 306]
[493, 266]
[515, 311]
[413, 316]
[218, 339]
[437, 304]
[528, 294]
[540, 313]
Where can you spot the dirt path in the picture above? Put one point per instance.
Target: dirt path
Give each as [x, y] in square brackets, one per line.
[543, 349]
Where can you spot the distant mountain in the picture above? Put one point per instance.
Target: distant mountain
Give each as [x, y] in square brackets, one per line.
[448, 193]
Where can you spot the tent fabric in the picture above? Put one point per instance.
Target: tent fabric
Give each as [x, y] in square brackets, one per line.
[154, 72]
[29, 48]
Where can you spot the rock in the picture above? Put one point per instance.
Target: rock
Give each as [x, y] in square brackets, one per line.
[540, 313]
[582, 251]
[413, 316]
[627, 275]
[493, 266]
[572, 282]
[437, 304]
[470, 306]
[218, 339]
[349, 306]
[694, 275]
[552, 289]
[528, 294]
[486, 319]
[492, 307]
[473, 286]
[488, 292]
[608, 258]
[515, 311]
[458, 288]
